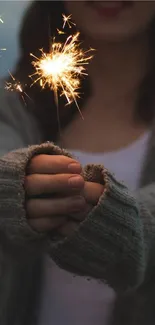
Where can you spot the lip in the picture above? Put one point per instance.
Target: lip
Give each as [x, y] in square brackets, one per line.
[110, 9]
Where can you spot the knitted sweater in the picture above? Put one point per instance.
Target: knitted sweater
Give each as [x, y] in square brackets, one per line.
[115, 244]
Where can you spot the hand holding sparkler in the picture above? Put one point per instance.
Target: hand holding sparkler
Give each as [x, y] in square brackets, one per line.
[91, 193]
[49, 175]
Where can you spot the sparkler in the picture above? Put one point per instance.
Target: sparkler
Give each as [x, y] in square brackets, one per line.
[15, 85]
[61, 68]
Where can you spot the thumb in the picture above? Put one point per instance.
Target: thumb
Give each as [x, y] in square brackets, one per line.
[92, 192]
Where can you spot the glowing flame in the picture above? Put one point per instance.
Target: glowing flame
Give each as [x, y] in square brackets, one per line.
[61, 68]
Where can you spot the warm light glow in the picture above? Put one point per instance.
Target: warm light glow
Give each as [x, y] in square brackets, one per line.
[61, 68]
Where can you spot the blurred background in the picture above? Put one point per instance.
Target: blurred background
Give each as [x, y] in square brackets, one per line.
[11, 13]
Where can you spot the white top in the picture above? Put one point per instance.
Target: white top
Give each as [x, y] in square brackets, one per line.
[69, 300]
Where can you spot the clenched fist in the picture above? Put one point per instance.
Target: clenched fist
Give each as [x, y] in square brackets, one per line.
[91, 193]
[54, 190]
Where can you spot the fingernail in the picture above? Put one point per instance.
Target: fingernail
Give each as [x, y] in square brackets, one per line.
[74, 167]
[76, 181]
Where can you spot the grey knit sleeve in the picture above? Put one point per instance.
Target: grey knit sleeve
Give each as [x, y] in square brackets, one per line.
[18, 127]
[13, 221]
[116, 242]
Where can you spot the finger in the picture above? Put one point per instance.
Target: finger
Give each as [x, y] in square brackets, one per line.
[40, 208]
[53, 164]
[68, 228]
[36, 184]
[80, 216]
[46, 224]
[92, 192]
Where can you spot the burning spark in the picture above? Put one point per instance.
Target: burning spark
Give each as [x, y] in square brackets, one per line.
[60, 32]
[16, 86]
[67, 20]
[61, 68]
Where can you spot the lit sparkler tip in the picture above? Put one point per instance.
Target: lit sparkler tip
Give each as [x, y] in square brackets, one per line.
[62, 67]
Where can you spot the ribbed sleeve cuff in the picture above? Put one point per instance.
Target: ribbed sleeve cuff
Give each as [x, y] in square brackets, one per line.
[108, 245]
[13, 221]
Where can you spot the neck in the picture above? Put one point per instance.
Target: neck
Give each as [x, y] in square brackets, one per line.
[118, 69]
